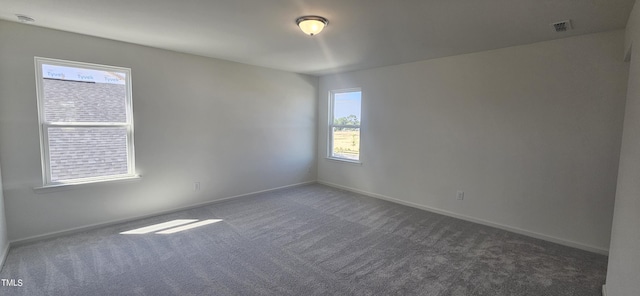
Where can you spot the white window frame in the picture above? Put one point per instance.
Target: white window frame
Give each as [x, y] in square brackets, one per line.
[44, 125]
[331, 125]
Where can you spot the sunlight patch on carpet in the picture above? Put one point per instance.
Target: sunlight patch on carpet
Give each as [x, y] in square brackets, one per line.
[189, 226]
[170, 226]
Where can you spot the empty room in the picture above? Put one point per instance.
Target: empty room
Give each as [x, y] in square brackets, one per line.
[295, 147]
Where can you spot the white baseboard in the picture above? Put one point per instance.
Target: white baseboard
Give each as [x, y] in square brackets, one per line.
[553, 239]
[5, 252]
[54, 234]
[604, 290]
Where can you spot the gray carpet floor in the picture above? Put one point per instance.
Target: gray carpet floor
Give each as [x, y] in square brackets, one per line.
[309, 240]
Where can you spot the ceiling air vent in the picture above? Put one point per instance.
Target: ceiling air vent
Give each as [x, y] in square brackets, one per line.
[562, 26]
[24, 19]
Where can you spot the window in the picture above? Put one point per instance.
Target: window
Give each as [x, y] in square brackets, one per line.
[86, 122]
[344, 125]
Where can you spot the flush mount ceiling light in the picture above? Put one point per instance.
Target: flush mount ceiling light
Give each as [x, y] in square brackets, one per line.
[311, 24]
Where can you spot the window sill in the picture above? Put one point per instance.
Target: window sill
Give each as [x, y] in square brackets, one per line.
[344, 160]
[68, 186]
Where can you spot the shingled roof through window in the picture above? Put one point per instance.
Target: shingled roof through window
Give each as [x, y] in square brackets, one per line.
[83, 152]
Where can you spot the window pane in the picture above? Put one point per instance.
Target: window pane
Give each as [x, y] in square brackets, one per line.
[83, 95]
[346, 108]
[86, 152]
[346, 143]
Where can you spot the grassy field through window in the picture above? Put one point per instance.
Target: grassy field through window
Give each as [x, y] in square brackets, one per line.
[346, 143]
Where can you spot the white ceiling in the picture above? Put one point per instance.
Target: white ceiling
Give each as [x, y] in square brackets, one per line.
[361, 33]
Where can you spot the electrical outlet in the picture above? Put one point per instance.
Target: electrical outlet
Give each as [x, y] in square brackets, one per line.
[196, 186]
[460, 195]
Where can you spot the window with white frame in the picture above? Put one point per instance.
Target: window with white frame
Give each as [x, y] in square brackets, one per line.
[344, 124]
[86, 122]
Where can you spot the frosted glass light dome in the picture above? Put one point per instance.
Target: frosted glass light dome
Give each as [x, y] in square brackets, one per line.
[311, 24]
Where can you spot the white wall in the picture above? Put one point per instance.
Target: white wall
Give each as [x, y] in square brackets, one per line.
[235, 128]
[530, 133]
[623, 273]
